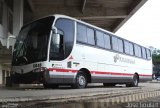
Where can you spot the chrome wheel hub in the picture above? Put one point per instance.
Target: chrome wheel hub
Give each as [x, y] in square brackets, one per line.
[81, 80]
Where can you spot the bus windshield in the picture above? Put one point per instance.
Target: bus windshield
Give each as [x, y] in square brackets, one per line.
[32, 42]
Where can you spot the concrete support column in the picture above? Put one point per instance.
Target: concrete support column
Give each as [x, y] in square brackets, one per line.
[4, 32]
[17, 16]
[0, 76]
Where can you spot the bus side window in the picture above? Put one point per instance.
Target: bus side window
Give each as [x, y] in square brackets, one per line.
[81, 33]
[90, 36]
[148, 54]
[131, 49]
[114, 43]
[100, 39]
[144, 55]
[126, 47]
[120, 45]
[65, 28]
[107, 41]
[137, 50]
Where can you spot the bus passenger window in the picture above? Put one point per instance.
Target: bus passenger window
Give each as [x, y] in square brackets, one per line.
[114, 43]
[90, 36]
[120, 45]
[148, 54]
[126, 47]
[107, 41]
[137, 49]
[144, 53]
[81, 33]
[100, 39]
[130, 48]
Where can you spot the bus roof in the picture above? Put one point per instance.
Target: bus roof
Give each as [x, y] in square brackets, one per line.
[101, 29]
[78, 20]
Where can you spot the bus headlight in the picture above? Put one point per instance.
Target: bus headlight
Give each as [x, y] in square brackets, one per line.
[40, 69]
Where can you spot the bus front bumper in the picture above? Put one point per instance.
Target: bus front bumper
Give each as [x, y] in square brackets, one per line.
[33, 77]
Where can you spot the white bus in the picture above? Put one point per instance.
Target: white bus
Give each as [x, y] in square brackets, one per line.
[58, 50]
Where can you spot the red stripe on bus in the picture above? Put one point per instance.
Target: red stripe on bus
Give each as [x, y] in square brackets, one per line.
[112, 73]
[95, 72]
[144, 75]
[62, 70]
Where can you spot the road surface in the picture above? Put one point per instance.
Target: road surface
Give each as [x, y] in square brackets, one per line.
[97, 94]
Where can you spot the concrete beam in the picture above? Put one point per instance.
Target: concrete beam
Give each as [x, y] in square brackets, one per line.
[31, 5]
[75, 12]
[131, 13]
[83, 7]
[102, 17]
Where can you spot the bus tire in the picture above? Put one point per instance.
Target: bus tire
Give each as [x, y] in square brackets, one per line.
[80, 81]
[134, 82]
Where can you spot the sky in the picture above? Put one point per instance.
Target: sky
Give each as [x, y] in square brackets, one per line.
[144, 26]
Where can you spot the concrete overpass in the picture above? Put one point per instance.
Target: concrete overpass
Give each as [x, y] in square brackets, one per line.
[108, 14]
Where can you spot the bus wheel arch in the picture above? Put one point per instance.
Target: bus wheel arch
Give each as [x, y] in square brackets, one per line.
[87, 73]
[135, 80]
[83, 77]
[136, 75]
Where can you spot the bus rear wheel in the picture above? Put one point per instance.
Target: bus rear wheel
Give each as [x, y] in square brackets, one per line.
[134, 82]
[80, 81]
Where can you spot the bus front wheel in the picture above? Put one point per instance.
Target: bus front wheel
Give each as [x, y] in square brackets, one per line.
[80, 81]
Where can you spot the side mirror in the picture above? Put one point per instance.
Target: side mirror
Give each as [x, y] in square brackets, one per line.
[56, 43]
[56, 39]
[11, 40]
[54, 30]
